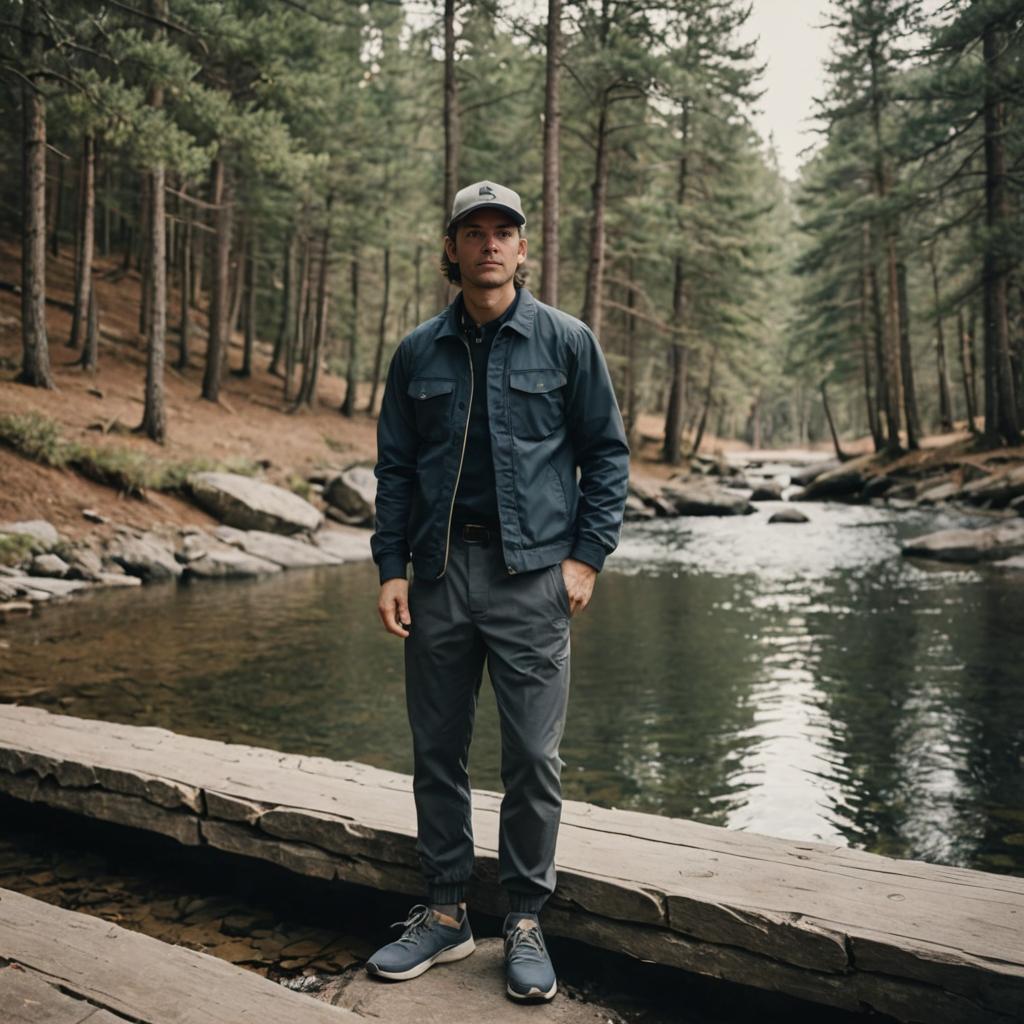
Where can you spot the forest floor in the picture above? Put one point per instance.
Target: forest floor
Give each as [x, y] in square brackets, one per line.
[250, 424]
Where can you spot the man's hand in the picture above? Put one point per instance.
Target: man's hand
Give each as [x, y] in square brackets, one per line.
[393, 606]
[579, 582]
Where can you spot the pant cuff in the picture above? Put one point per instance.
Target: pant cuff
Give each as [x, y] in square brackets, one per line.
[520, 903]
[446, 892]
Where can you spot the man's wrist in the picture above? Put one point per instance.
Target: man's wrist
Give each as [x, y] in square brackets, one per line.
[392, 568]
[590, 554]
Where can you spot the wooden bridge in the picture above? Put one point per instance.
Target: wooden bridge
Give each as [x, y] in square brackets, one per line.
[817, 921]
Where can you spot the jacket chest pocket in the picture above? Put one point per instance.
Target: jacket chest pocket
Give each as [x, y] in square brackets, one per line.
[432, 405]
[537, 402]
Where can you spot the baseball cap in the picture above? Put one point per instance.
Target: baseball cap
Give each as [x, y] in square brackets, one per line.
[487, 195]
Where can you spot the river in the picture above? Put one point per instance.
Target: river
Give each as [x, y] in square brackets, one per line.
[796, 680]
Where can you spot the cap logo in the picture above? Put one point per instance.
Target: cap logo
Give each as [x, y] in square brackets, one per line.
[486, 190]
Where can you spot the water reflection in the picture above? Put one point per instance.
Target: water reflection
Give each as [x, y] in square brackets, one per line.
[802, 681]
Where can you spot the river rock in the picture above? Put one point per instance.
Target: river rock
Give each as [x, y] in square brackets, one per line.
[767, 490]
[354, 493]
[30, 585]
[48, 565]
[350, 544]
[116, 579]
[636, 509]
[846, 480]
[144, 555]
[253, 504]
[84, 564]
[285, 551]
[990, 543]
[703, 498]
[802, 477]
[221, 561]
[933, 495]
[788, 515]
[997, 489]
[1015, 564]
[38, 529]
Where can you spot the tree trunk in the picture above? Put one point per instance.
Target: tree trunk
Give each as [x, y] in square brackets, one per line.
[996, 270]
[87, 223]
[237, 275]
[35, 363]
[906, 361]
[378, 359]
[154, 416]
[184, 313]
[707, 402]
[967, 371]
[315, 343]
[552, 128]
[868, 341]
[249, 319]
[92, 332]
[57, 214]
[945, 399]
[348, 406]
[599, 198]
[287, 303]
[678, 356]
[297, 339]
[146, 243]
[840, 454]
[107, 216]
[216, 348]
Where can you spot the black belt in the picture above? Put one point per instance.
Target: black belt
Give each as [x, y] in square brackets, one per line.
[477, 533]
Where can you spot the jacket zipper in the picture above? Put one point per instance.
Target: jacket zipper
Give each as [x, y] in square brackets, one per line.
[462, 456]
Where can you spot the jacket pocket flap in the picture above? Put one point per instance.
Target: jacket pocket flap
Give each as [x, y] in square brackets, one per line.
[430, 387]
[537, 382]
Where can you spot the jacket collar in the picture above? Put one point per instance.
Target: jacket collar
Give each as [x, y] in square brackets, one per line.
[521, 320]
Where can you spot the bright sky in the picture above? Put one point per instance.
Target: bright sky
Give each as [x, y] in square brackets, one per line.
[795, 50]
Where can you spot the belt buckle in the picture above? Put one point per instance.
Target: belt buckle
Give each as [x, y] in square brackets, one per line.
[473, 533]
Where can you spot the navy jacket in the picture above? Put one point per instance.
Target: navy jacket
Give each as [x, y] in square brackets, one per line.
[552, 412]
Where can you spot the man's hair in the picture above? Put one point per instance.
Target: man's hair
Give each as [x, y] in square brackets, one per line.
[451, 270]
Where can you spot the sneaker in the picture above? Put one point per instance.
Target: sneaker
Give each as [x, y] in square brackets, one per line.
[426, 941]
[528, 970]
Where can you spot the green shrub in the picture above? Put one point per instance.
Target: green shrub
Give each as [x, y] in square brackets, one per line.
[16, 547]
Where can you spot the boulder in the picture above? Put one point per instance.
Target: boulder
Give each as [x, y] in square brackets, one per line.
[998, 489]
[702, 498]
[1015, 564]
[990, 543]
[49, 565]
[636, 509]
[353, 492]
[29, 586]
[116, 579]
[38, 529]
[350, 545]
[788, 515]
[284, 551]
[144, 555]
[767, 490]
[84, 564]
[939, 493]
[846, 480]
[802, 477]
[253, 504]
[226, 562]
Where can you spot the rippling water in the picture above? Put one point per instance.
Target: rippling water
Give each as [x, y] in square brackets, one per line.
[801, 681]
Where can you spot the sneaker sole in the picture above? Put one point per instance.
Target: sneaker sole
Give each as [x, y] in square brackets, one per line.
[534, 993]
[452, 953]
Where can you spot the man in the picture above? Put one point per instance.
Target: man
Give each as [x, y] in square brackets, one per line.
[490, 409]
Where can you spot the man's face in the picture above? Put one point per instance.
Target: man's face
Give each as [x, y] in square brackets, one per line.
[487, 248]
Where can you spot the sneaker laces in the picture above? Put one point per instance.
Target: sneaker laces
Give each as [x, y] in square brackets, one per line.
[527, 943]
[420, 918]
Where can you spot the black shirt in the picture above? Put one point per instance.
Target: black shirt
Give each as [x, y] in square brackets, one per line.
[476, 499]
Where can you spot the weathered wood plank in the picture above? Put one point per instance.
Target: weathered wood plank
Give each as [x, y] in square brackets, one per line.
[136, 977]
[26, 998]
[755, 909]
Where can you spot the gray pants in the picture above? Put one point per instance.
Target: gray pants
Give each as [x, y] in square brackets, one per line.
[520, 625]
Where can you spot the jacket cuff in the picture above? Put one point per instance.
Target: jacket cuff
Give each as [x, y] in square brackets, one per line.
[593, 554]
[392, 567]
